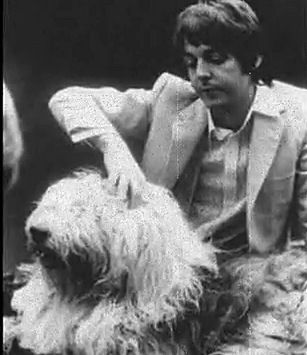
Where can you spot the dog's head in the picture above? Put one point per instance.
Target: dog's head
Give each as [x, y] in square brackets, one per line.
[113, 273]
[91, 244]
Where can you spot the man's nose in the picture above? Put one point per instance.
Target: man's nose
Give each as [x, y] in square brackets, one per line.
[203, 71]
[39, 235]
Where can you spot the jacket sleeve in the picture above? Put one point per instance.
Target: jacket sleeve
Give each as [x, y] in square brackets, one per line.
[85, 112]
[299, 223]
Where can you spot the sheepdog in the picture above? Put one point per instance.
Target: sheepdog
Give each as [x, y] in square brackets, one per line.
[111, 279]
[107, 279]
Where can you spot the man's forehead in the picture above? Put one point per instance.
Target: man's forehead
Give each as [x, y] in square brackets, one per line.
[197, 49]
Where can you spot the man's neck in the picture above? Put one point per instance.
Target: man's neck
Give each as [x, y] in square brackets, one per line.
[233, 117]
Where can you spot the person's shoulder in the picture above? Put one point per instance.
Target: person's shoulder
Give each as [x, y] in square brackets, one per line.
[286, 104]
[291, 96]
[174, 80]
[293, 100]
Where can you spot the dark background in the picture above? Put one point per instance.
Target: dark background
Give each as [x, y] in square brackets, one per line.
[50, 44]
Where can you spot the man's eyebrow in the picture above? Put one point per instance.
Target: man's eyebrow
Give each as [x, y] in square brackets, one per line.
[206, 52]
[209, 51]
[188, 54]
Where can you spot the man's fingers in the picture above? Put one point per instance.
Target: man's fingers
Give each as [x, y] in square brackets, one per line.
[128, 187]
[136, 201]
[136, 192]
[117, 181]
[122, 187]
[112, 183]
[129, 192]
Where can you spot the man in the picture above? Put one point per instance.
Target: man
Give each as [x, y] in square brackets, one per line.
[232, 148]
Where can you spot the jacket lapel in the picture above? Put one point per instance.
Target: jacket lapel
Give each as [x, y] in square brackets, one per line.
[186, 132]
[265, 138]
[267, 130]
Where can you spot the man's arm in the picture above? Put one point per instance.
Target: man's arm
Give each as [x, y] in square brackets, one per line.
[85, 112]
[102, 116]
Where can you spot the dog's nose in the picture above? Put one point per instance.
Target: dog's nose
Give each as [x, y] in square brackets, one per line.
[38, 235]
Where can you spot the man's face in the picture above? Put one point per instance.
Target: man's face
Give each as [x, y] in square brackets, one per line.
[216, 77]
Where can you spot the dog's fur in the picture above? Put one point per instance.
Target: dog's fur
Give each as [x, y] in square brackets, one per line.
[109, 278]
[276, 286]
[114, 280]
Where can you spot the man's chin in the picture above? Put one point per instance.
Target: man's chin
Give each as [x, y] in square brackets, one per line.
[211, 102]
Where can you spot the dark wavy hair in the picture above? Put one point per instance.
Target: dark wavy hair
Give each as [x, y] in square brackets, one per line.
[228, 26]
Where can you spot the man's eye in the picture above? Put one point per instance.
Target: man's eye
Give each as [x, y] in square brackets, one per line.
[216, 58]
[189, 62]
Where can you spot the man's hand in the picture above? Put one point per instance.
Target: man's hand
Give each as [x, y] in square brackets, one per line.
[125, 177]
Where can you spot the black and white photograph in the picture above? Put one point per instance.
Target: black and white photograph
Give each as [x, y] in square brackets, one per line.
[154, 177]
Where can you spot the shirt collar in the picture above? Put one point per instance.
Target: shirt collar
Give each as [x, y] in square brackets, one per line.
[224, 132]
[265, 102]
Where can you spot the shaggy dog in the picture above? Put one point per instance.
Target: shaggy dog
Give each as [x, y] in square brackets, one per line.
[108, 278]
[111, 279]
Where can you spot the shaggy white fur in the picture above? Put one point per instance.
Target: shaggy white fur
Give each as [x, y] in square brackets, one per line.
[277, 289]
[107, 277]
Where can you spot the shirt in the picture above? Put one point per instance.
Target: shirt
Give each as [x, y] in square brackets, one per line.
[219, 203]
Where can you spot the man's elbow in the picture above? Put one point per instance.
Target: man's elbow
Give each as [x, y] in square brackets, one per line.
[71, 97]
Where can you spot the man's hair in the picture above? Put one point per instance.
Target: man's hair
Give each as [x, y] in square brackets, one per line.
[228, 26]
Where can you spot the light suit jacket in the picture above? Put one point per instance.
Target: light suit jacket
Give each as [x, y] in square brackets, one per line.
[163, 126]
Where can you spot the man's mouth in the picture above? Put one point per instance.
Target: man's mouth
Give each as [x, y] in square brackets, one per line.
[211, 93]
[209, 89]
